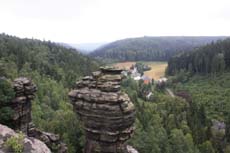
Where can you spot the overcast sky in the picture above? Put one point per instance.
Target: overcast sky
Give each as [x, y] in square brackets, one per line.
[83, 21]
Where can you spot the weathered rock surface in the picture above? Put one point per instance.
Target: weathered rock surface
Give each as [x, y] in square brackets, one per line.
[131, 149]
[31, 145]
[24, 92]
[107, 113]
[21, 121]
[53, 141]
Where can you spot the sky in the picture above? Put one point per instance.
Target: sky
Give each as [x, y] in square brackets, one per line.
[88, 21]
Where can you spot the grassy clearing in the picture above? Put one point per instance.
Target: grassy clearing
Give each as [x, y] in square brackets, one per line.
[124, 65]
[157, 68]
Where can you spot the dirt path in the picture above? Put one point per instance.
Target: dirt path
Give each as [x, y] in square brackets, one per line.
[169, 91]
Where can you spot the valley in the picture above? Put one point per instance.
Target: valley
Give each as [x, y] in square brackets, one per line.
[115, 76]
[181, 104]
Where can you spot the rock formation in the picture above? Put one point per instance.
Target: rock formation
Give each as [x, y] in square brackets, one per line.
[21, 105]
[21, 121]
[107, 113]
[53, 141]
[30, 145]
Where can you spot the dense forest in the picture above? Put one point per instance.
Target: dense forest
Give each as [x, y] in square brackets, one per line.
[54, 69]
[149, 48]
[201, 77]
[197, 120]
[210, 59]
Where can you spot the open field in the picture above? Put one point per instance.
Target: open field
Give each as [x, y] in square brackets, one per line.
[157, 68]
[124, 65]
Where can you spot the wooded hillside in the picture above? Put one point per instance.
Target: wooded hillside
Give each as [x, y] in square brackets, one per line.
[149, 48]
[54, 69]
[212, 58]
[47, 58]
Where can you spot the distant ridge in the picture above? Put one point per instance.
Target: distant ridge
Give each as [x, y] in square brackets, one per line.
[151, 48]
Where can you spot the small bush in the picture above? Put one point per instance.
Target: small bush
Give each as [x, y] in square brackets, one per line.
[15, 143]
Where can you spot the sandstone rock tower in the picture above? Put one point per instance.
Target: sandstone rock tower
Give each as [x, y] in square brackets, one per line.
[22, 106]
[106, 112]
[24, 90]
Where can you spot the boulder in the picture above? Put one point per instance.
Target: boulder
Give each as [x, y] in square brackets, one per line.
[30, 145]
[53, 141]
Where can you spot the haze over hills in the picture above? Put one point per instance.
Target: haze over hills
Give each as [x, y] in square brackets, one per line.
[87, 47]
[84, 48]
[151, 48]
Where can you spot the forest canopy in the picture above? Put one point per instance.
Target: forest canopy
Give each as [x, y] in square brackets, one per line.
[212, 58]
[149, 48]
[54, 69]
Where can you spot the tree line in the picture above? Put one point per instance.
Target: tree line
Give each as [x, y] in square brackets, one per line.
[149, 48]
[210, 59]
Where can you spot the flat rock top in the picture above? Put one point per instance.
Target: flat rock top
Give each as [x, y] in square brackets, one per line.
[22, 80]
[112, 70]
[31, 145]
